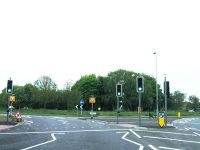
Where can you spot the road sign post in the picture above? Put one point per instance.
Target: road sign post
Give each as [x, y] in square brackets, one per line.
[81, 107]
[77, 109]
[92, 100]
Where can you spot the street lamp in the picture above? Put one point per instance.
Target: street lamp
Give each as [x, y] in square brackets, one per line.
[156, 86]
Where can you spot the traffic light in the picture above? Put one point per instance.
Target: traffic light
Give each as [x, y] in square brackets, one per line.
[140, 84]
[167, 90]
[119, 90]
[9, 89]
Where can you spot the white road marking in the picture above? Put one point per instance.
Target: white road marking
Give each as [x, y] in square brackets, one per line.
[166, 132]
[169, 148]
[196, 133]
[27, 117]
[152, 147]
[28, 122]
[135, 133]
[141, 147]
[161, 138]
[69, 131]
[194, 129]
[53, 139]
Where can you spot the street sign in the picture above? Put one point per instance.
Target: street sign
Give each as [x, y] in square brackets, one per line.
[82, 102]
[12, 99]
[92, 100]
[76, 107]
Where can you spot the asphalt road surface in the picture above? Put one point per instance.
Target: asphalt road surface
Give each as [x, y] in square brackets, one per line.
[50, 133]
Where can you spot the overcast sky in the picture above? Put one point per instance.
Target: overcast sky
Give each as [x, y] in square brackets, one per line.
[70, 38]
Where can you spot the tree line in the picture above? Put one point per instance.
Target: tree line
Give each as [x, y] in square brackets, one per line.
[45, 94]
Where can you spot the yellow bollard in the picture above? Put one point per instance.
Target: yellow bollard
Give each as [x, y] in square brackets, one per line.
[179, 115]
[161, 119]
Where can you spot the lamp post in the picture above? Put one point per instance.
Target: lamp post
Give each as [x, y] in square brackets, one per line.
[156, 86]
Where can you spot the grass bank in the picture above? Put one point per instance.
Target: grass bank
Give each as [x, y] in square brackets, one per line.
[74, 113]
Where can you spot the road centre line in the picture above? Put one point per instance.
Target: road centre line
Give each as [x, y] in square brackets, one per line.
[169, 148]
[53, 139]
[135, 133]
[161, 138]
[152, 147]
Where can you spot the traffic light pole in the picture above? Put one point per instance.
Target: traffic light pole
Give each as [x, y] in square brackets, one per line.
[139, 108]
[165, 93]
[7, 109]
[117, 109]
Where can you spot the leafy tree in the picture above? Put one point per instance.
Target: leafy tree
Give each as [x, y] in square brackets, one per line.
[88, 86]
[178, 100]
[195, 101]
[46, 88]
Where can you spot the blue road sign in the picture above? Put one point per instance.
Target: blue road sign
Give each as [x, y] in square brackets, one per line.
[82, 102]
[161, 115]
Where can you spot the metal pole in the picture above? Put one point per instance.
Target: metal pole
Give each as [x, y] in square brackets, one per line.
[92, 111]
[156, 85]
[139, 109]
[117, 109]
[8, 109]
[81, 109]
[165, 93]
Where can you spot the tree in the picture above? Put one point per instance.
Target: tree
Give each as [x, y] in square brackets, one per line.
[47, 89]
[178, 100]
[88, 86]
[195, 101]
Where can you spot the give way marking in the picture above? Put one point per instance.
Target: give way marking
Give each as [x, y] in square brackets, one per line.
[53, 139]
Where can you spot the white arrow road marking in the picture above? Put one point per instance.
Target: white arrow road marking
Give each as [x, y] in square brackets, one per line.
[141, 147]
[53, 139]
[169, 148]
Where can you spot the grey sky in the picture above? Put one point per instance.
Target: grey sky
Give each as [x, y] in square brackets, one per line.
[67, 39]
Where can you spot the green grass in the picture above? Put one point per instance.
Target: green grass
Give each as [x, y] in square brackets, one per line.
[70, 113]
